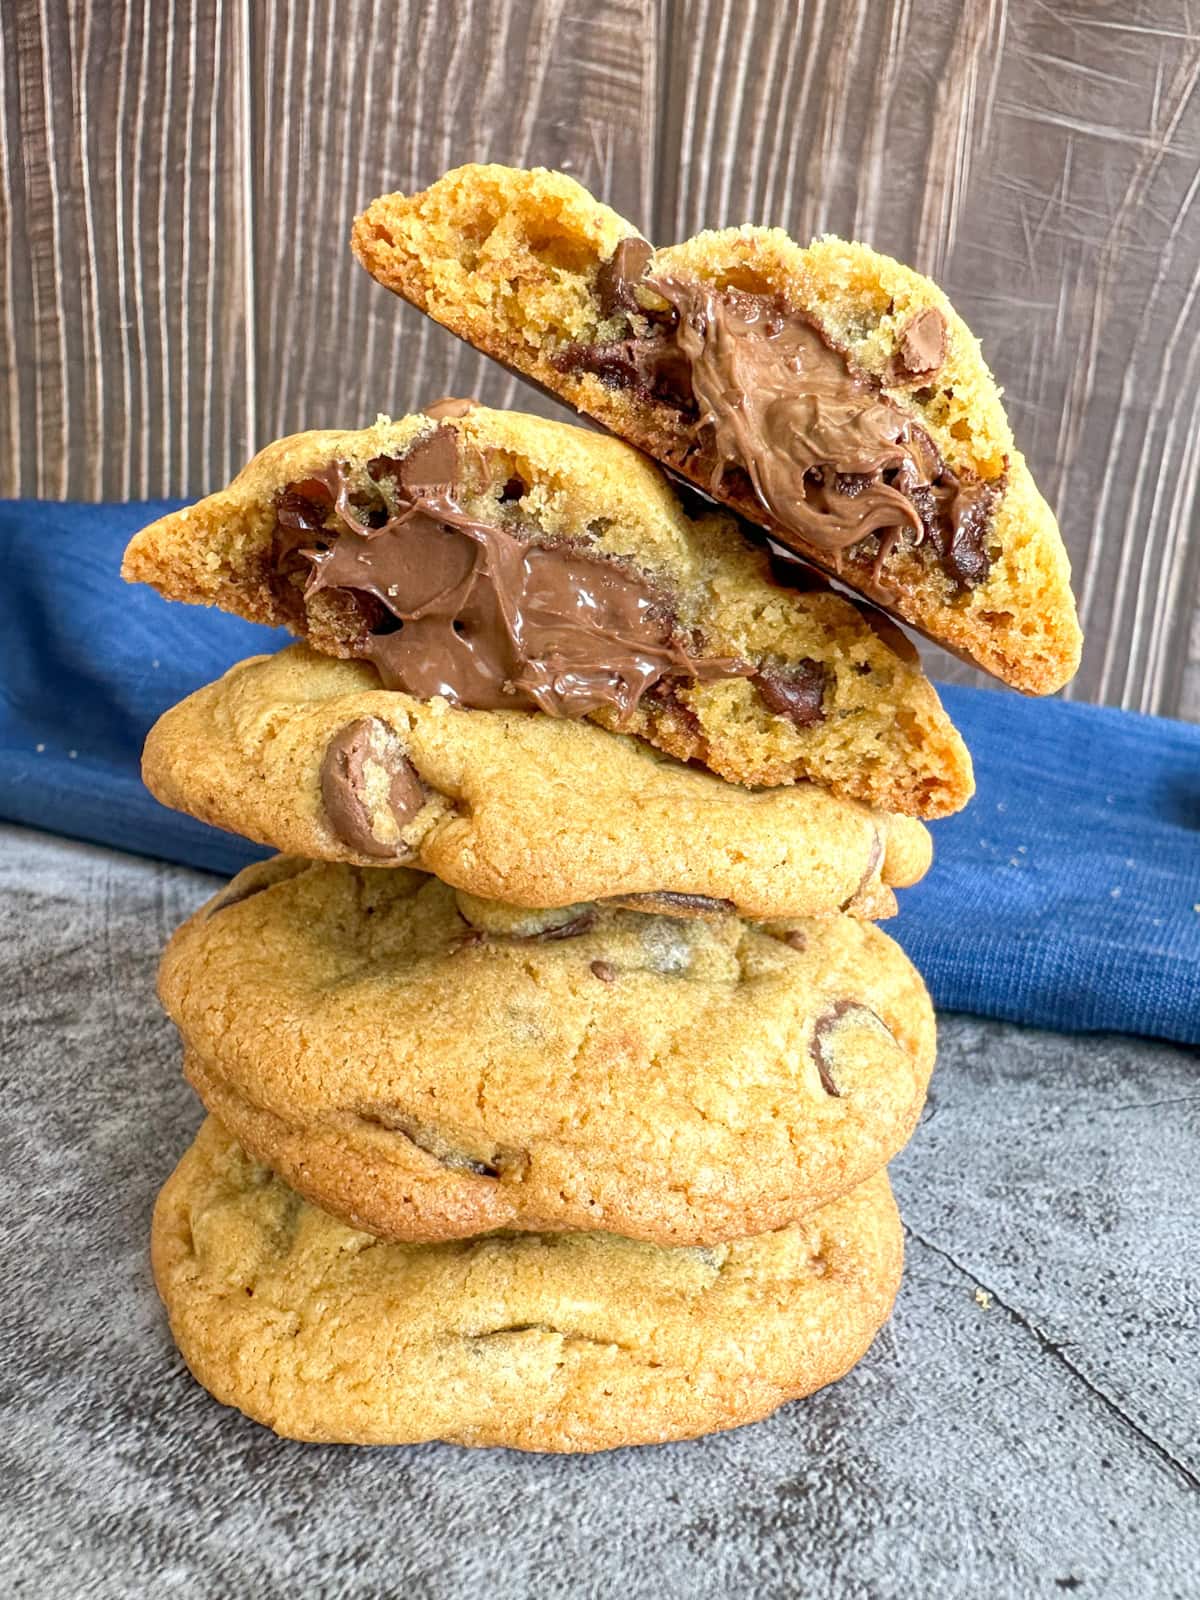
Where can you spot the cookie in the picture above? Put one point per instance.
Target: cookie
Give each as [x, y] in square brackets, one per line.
[502, 562]
[428, 1068]
[830, 394]
[308, 754]
[545, 1342]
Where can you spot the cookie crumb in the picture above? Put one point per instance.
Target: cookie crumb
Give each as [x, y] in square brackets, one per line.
[984, 1299]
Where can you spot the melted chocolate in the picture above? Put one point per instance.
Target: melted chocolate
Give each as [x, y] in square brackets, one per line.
[475, 612]
[796, 693]
[783, 418]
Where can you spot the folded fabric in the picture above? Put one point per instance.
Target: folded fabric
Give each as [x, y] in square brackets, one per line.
[1066, 896]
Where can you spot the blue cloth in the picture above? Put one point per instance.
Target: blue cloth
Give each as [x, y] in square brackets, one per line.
[1067, 895]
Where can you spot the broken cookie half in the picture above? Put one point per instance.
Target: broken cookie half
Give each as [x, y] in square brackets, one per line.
[498, 562]
[828, 393]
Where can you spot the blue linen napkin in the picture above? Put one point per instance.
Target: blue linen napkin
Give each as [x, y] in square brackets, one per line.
[1067, 895]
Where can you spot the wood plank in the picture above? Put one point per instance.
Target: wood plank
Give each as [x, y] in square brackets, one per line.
[121, 262]
[1043, 163]
[392, 99]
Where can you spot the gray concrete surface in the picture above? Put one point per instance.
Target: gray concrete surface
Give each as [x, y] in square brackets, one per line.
[1026, 1426]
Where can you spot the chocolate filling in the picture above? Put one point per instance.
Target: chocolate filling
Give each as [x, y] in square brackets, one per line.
[476, 611]
[782, 420]
[346, 783]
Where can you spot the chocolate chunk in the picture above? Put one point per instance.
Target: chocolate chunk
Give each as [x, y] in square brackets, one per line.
[825, 1024]
[959, 531]
[921, 347]
[618, 275]
[796, 692]
[346, 783]
[651, 366]
[795, 939]
[431, 463]
[432, 1143]
[670, 903]
[442, 410]
[874, 857]
[605, 971]
[567, 930]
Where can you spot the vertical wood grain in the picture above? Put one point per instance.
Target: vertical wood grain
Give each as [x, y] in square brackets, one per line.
[389, 100]
[1041, 158]
[177, 182]
[126, 327]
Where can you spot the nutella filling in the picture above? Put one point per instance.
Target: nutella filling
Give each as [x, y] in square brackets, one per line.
[476, 611]
[784, 419]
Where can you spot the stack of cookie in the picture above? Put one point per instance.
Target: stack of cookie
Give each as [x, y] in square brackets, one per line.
[555, 1063]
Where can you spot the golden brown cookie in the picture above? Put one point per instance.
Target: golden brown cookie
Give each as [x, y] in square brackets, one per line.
[431, 1068]
[568, 1342]
[829, 393]
[309, 755]
[507, 563]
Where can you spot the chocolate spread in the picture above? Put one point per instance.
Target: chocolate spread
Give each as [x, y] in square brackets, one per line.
[780, 413]
[474, 611]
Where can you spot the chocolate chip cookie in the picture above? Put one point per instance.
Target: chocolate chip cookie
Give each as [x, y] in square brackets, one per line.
[828, 393]
[549, 1342]
[308, 754]
[429, 1066]
[499, 562]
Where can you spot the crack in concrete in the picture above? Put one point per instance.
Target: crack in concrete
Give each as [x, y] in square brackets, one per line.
[1164, 1454]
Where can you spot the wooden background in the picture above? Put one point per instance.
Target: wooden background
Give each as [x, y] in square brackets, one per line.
[177, 180]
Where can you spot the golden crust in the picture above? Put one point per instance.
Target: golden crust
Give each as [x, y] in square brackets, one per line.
[507, 260]
[575, 1343]
[660, 1078]
[884, 739]
[520, 807]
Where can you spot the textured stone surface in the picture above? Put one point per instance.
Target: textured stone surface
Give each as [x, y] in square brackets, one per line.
[1043, 1443]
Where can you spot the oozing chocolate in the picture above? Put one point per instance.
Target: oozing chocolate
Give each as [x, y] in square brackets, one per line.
[782, 418]
[347, 783]
[473, 611]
